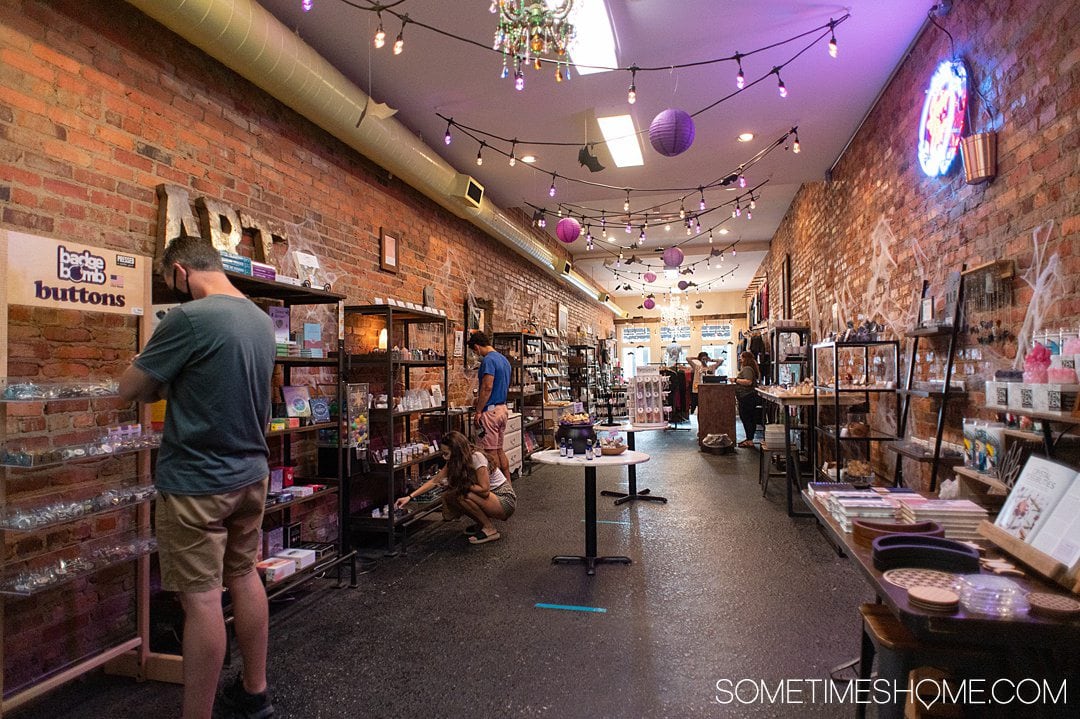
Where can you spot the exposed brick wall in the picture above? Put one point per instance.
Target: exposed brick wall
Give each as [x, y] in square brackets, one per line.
[1024, 58]
[99, 105]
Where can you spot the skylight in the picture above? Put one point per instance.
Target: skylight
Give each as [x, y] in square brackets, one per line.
[594, 42]
[621, 139]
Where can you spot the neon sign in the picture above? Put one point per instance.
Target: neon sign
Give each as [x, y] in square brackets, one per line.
[942, 119]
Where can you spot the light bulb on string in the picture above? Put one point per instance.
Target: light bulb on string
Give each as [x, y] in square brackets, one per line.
[710, 237]
[832, 38]
[380, 35]
[629, 229]
[795, 145]
[448, 138]
[631, 94]
[682, 212]
[399, 43]
[780, 87]
[641, 237]
[551, 190]
[753, 205]
[667, 227]
[307, 5]
[749, 215]
[513, 157]
[701, 204]
[603, 232]
[519, 80]
[688, 230]
[603, 221]
[480, 154]
[740, 79]
[742, 180]
[626, 203]
[697, 226]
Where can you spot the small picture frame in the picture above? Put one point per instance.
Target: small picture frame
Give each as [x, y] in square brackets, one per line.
[926, 312]
[389, 250]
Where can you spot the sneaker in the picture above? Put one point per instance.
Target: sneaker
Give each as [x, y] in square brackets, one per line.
[243, 704]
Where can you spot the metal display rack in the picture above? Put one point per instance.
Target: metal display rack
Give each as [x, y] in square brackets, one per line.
[583, 371]
[369, 359]
[525, 353]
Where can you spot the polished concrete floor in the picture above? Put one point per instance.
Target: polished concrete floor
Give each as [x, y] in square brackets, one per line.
[723, 587]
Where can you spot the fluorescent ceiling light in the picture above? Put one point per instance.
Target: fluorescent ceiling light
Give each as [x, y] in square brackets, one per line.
[594, 40]
[723, 230]
[746, 137]
[528, 158]
[580, 282]
[621, 138]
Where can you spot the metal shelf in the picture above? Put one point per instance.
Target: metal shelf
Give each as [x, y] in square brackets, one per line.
[281, 506]
[302, 430]
[307, 361]
[913, 450]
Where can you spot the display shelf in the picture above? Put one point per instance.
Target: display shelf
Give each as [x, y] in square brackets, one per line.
[368, 361]
[44, 515]
[856, 388]
[282, 506]
[265, 289]
[921, 453]
[939, 331]
[307, 361]
[831, 433]
[92, 557]
[402, 314]
[925, 393]
[13, 456]
[302, 430]
[406, 465]
[533, 423]
[24, 390]
[1064, 417]
[292, 581]
[986, 480]
[407, 412]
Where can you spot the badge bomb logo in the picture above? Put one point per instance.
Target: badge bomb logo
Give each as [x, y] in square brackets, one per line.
[79, 268]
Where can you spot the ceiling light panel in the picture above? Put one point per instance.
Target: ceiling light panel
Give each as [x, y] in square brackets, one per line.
[622, 140]
[593, 46]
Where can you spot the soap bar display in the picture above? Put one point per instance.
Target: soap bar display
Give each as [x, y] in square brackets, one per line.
[128, 438]
[92, 558]
[28, 391]
[25, 519]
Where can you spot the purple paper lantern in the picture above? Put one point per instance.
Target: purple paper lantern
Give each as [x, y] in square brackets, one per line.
[683, 284]
[649, 303]
[568, 230]
[672, 132]
[673, 257]
[649, 277]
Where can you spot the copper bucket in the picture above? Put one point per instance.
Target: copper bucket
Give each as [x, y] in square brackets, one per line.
[979, 152]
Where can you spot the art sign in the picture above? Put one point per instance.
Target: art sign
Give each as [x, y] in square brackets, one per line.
[942, 120]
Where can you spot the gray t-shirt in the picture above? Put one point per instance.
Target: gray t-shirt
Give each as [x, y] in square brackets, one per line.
[747, 372]
[216, 355]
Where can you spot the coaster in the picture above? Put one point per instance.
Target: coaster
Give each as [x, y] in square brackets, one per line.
[1057, 606]
[912, 577]
[933, 599]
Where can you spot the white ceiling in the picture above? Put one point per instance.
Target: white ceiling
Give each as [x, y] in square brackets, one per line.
[827, 99]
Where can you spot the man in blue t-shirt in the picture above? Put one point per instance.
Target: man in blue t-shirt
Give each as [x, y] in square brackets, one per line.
[494, 376]
[212, 357]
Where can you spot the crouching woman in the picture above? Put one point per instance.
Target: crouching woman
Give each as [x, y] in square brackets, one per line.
[474, 485]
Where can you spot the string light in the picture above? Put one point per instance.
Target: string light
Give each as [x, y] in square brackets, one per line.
[780, 87]
[519, 80]
[701, 204]
[513, 157]
[631, 94]
[380, 34]
[307, 5]
[551, 190]
[479, 155]
[740, 79]
[795, 145]
[682, 211]
[603, 221]
[448, 138]
[626, 203]
[641, 237]
[832, 38]
[399, 43]
[710, 237]
[667, 227]
[742, 180]
[629, 229]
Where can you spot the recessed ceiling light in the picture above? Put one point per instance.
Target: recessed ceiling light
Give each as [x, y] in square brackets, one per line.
[746, 137]
[723, 230]
[622, 141]
[528, 158]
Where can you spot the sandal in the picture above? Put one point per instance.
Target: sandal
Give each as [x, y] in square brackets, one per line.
[481, 538]
[747, 444]
[472, 529]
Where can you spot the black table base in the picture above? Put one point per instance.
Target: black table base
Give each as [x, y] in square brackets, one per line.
[589, 559]
[631, 473]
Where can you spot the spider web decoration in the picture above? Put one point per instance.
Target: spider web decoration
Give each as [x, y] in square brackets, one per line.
[1045, 279]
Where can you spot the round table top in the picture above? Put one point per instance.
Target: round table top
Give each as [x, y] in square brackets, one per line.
[639, 427]
[551, 456]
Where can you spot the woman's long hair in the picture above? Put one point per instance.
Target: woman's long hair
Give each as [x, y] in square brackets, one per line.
[459, 472]
[747, 358]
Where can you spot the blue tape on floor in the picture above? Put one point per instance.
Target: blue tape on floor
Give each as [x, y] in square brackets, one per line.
[572, 608]
[609, 521]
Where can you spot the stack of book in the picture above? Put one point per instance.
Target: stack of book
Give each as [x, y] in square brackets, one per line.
[846, 507]
[288, 349]
[958, 517]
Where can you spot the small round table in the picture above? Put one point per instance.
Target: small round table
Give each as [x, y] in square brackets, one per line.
[631, 471]
[627, 458]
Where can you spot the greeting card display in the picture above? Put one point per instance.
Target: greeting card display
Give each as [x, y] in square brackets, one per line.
[297, 401]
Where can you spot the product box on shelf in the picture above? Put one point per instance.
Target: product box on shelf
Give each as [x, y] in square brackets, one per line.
[263, 271]
[300, 490]
[236, 263]
[321, 549]
[1021, 396]
[1052, 398]
[276, 568]
[303, 557]
[273, 541]
[997, 394]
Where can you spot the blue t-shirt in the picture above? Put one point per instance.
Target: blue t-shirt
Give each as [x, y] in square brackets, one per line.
[497, 366]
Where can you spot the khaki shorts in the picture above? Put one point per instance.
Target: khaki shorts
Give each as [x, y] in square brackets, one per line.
[507, 498]
[204, 539]
[493, 420]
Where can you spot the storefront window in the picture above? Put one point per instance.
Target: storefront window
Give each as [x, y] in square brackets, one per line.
[634, 357]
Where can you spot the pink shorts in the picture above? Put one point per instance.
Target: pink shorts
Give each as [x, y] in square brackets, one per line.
[493, 420]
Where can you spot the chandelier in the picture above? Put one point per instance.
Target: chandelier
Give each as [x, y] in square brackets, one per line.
[675, 314]
[528, 30]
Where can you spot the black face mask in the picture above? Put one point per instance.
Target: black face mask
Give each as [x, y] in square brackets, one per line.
[180, 295]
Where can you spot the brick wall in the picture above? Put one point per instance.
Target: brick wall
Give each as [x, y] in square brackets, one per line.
[99, 105]
[1024, 58]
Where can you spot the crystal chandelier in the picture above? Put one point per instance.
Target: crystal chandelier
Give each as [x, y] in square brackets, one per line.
[675, 314]
[528, 30]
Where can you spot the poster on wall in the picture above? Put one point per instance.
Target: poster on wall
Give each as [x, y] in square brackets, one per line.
[43, 272]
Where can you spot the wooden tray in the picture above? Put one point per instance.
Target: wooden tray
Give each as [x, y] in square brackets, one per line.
[611, 451]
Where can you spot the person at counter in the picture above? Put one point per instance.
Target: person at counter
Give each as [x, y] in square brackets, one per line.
[746, 396]
[702, 365]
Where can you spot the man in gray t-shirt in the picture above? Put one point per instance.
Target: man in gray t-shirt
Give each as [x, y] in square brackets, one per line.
[212, 358]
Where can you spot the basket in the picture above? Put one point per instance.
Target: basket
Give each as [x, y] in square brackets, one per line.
[611, 451]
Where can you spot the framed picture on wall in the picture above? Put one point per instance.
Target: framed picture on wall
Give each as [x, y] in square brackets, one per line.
[478, 317]
[389, 250]
[563, 319]
[785, 286]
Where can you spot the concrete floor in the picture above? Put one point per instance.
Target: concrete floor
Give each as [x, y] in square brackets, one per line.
[724, 586]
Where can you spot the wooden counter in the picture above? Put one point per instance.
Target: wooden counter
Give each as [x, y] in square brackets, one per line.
[716, 410]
